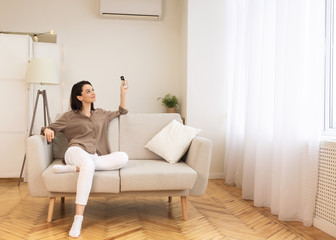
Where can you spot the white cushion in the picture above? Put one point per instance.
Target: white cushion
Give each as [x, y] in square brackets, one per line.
[172, 141]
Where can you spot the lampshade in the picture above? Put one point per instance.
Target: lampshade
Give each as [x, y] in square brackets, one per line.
[42, 71]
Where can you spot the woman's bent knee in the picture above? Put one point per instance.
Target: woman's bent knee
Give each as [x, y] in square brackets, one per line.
[87, 166]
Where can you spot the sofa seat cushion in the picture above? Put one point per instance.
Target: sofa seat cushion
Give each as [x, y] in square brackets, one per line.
[103, 181]
[152, 175]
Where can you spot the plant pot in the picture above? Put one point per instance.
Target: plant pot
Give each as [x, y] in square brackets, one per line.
[171, 110]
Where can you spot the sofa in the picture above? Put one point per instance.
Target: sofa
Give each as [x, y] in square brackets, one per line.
[146, 173]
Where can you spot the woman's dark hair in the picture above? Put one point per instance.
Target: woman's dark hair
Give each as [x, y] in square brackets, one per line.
[77, 90]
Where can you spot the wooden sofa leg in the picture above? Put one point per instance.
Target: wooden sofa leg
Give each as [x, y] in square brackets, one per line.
[51, 209]
[170, 199]
[184, 208]
[62, 200]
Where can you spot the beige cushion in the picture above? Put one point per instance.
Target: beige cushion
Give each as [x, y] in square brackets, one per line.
[137, 129]
[172, 141]
[60, 145]
[151, 175]
[103, 181]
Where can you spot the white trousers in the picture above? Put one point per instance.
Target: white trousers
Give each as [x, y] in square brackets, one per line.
[87, 164]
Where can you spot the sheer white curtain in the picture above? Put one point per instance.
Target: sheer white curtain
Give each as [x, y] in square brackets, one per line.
[275, 102]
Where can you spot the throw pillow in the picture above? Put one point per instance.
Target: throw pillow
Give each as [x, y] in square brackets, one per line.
[60, 143]
[172, 141]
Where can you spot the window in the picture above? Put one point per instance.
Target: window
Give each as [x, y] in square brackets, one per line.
[330, 64]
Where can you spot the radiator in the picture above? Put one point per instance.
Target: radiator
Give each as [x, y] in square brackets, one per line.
[325, 208]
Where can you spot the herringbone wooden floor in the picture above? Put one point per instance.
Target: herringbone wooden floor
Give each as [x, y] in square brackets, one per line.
[220, 214]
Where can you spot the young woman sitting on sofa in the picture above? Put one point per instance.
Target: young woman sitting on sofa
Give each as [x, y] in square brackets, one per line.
[86, 130]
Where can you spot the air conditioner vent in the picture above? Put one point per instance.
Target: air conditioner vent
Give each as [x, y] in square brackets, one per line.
[143, 9]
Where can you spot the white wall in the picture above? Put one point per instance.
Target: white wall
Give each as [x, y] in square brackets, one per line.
[184, 58]
[181, 54]
[100, 49]
[206, 76]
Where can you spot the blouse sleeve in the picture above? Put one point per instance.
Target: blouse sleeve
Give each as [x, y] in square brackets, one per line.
[114, 114]
[57, 126]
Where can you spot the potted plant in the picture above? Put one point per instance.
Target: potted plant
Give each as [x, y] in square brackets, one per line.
[170, 102]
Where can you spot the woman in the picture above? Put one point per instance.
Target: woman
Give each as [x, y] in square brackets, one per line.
[86, 130]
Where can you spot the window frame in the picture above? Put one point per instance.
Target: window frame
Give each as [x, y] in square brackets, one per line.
[329, 128]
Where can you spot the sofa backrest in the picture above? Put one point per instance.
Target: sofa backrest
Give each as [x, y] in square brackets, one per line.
[113, 135]
[128, 133]
[137, 129]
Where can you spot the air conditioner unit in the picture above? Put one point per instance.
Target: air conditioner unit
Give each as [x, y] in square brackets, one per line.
[150, 9]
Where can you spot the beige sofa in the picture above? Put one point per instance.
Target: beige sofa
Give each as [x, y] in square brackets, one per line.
[146, 174]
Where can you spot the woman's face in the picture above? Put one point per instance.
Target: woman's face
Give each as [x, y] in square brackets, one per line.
[88, 94]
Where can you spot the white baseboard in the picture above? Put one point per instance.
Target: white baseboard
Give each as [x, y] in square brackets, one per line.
[325, 226]
[216, 176]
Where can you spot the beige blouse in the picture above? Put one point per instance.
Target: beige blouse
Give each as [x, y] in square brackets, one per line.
[88, 133]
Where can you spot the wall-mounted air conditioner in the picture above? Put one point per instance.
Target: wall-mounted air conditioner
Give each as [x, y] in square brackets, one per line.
[150, 9]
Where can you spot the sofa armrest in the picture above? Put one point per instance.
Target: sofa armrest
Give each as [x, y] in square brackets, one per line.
[199, 158]
[38, 158]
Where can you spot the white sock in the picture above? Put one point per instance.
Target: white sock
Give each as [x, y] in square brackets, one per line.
[76, 226]
[64, 168]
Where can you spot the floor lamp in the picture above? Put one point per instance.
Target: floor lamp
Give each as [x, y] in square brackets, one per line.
[40, 71]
